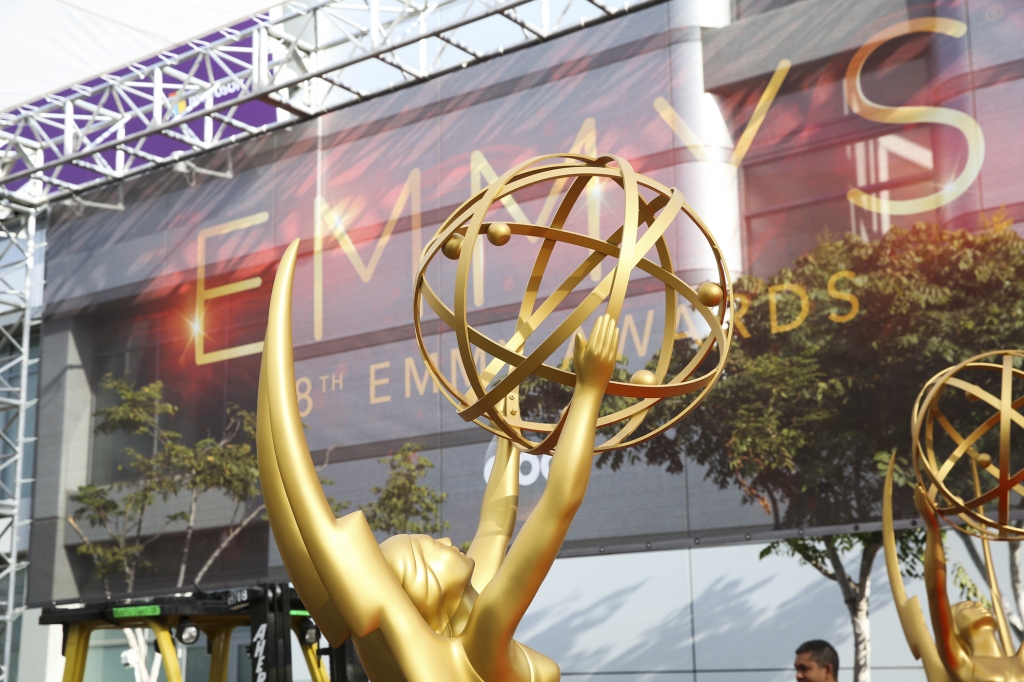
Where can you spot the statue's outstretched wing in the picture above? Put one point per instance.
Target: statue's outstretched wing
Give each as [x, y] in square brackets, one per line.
[277, 360]
[335, 564]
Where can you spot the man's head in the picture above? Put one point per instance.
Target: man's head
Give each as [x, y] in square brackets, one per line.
[432, 572]
[816, 661]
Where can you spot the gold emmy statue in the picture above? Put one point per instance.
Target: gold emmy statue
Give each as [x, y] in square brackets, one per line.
[416, 607]
[972, 643]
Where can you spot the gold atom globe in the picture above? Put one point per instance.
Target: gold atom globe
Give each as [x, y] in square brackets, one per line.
[650, 210]
[963, 453]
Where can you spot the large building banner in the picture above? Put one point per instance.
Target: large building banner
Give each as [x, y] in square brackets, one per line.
[819, 118]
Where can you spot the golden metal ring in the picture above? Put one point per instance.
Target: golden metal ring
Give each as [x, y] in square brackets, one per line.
[484, 402]
[993, 477]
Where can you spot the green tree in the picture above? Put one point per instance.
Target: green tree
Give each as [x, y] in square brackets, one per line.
[223, 465]
[120, 509]
[803, 420]
[226, 464]
[403, 504]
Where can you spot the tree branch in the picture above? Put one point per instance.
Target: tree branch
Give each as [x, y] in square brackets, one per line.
[845, 584]
[78, 529]
[800, 549]
[225, 542]
[867, 560]
[183, 566]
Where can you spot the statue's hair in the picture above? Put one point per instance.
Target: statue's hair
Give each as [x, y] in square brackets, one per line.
[404, 554]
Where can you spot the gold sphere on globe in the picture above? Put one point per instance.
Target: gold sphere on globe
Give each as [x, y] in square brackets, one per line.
[709, 293]
[520, 341]
[499, 233]
[960, 484]
[643, 377]
[453, 247]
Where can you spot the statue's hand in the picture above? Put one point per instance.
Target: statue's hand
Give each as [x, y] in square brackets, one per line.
[925, 508]
[595, 359]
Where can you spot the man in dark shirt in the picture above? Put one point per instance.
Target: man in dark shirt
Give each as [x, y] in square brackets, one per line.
[816, 661]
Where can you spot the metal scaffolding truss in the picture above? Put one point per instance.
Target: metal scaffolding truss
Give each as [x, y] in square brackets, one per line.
[20, 307]
[293, 62]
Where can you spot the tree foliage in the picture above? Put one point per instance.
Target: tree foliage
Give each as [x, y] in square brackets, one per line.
[171, 467]
[119, 510]
[220, 464]
[803, 420]
[403, 504]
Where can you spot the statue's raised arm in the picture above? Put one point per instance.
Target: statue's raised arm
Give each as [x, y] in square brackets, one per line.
[506, 598]
[497, 515]
[951, 649]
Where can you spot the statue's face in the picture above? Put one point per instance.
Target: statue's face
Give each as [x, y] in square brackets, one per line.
[433, 572]
[977, 627]
[452, 568]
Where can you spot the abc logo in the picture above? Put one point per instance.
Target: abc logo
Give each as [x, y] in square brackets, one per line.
[531, 467]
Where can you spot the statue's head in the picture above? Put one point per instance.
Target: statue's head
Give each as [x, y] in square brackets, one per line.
[434, 573]
[976, 628]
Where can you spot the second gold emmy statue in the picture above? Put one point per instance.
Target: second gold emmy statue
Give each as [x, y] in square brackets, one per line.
[972, 642]
[416, 607]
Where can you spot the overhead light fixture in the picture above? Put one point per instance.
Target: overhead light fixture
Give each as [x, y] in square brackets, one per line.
[309, 633]
[187, 632]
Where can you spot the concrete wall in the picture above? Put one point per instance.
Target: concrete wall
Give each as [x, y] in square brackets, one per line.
[62, 455]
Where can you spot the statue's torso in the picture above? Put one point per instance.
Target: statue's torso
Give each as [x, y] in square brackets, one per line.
[444, 659]
[997, 669]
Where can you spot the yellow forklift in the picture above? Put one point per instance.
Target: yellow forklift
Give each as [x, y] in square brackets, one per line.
[271, 612]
